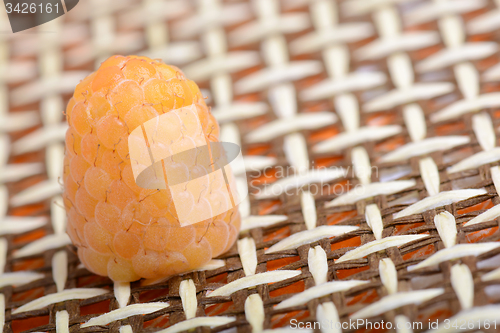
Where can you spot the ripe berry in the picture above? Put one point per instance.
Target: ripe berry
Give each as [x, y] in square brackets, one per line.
[122, 230]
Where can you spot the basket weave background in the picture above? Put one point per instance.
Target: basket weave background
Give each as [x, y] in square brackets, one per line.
[283, 78]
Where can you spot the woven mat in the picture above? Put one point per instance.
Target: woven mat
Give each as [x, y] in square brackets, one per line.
[377, 120]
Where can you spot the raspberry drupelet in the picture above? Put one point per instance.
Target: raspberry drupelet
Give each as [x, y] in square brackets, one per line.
[122, 230]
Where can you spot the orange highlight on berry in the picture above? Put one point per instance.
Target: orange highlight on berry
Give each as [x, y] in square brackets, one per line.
[128, 231]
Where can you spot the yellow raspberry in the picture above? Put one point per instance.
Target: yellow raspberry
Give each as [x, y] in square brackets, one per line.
[122, 230]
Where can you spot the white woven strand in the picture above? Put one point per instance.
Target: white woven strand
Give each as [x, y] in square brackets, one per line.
[289, 183]
[439, 200]
[126, 329]
[18, 225]
[492, 73]
[318, 265]
[415, 121]
[187, 291]
[430, 11]
[43, 244]
[425, 146]
[254, 280]
[403, 324]
[60, 269]
[40, 138]
[405, 41]
[495, 176]
[476, 160]
[310, 236]
[456, 109]
[488, 215]
[493, 212]
[19, 278]
[68, 294]
[269, 77]
[484, 131]
[361, 7]
[4, 196]
[430, 175]
[351, 83]
[319, 291]
[388, 275]
[327, 313]
[492, 275]
[308, 205]
[211, 265]
[62, 321]
[397, 300]
[58, 215]
[449, 57]
[213, 14]
[198, 322]
[362, 135]
[122, 313]
[361, 164]
[19, 171]
[248, 255]
[378, 245]
[4, 245]
[295, 149]
[2, 312]
[6, 225]
[463, 285]
[274, 129]
[122, 293]
[347, 108]
[251, 222]
[374, 220]
[41, 191]
[447, 228]
[4, 149]
[238, 111]
[457, 251]
[254, 312]
[370, 190]
[418, 91]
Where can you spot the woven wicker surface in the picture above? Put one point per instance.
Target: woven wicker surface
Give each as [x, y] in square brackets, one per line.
[393, 101]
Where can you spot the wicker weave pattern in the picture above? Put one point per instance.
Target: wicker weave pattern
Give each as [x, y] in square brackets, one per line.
[391, 101]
